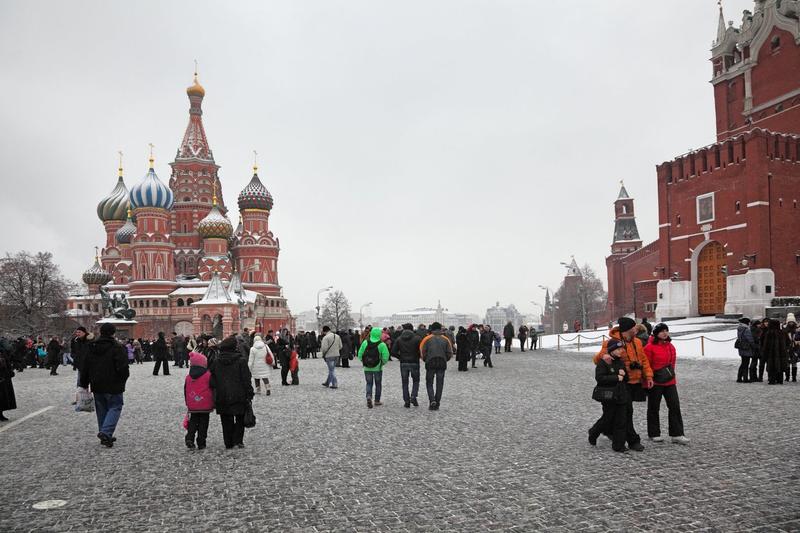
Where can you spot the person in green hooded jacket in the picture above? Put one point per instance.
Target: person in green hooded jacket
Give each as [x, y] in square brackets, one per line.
[373, 354]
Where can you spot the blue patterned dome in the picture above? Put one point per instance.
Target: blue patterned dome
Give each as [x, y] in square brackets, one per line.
[125, 233]
[255, 195]
[151, 192]
[115, 205]
[96, 275]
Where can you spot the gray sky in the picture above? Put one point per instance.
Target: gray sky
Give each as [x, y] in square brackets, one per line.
[417, 150]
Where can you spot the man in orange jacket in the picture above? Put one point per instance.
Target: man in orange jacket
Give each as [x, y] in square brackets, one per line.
[640, 375]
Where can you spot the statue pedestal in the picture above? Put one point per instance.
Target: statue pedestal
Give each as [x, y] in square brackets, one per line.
[124, 327]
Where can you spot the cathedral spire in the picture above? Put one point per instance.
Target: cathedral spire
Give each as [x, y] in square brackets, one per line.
[720, 24]
[195, 143]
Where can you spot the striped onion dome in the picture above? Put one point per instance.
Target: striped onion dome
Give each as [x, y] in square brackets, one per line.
[255, 195]
[125, 233]
[115, 205]
[96, 275]
[151, 192]
[215, 225]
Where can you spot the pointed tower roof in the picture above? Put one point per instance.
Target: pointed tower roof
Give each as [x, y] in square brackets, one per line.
[216, 294]
[623, 192]
[195, 144]
[720, 25]
[573, 268]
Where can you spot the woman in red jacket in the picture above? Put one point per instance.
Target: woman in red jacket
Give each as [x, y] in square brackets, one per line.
[662, 358]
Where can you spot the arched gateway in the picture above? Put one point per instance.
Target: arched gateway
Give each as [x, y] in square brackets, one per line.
[711, 290]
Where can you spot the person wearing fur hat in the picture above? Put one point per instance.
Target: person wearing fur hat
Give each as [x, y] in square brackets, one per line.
[662, 357]
[199, 400]
[637, 368]
[233, 390]
[611, 374]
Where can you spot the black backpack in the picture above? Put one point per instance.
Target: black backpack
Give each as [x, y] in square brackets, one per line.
[372, 356]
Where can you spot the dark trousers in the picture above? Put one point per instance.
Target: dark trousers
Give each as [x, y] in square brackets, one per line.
[613, 422]
[632, 437]
[463, 365]
[508, 344]
[534, 342]
[232, 429]
[522, 341]
[406, 370]
[429, 377]
[487, 356]
[198, 425]
[675, 421]
[474, 356]
[744, 367]
[754, 368]
[284, 370]
[166, 367]
[345, 361]
[762, 363]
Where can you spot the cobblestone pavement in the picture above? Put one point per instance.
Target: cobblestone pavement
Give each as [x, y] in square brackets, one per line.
[507, 451]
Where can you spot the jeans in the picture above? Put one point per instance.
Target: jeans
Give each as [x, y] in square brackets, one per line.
[429, 377]
[331, 379]
[413, 370]
[670, 394]
[108, 408]
[377, 379]
[743, 369]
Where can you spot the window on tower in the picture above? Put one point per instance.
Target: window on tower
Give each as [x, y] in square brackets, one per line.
[775, 43]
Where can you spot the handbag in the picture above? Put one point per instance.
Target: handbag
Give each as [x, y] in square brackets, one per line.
[249, 420]
[268, 359]
[604, 394]
[663, 375]
[84, 401]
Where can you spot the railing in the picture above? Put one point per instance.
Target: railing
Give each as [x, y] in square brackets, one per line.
[578, 337]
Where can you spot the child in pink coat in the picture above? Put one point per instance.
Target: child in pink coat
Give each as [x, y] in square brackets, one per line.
[199, 400]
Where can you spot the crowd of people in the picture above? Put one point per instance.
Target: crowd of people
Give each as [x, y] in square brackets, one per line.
[767, 345]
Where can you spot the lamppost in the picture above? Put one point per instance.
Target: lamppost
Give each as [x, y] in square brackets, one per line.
[552, 308]
[361, 315]
[325, 289]
[541, 309]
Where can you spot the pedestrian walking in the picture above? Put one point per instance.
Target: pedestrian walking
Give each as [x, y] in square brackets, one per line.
[486, 340]
[373, 354]
[199, 400]
[8, 401]
[746, 345]
[662, 356]
[406, 350]
[105, 371]
[233, 391]
[260, 361]
[508, 335]
[161, 354]
[474, 338]
[774, 351]
[534, 338]
[53, 355]
[463, 352]
[611, 377]
[331, 346]
[436, 351]
[523, 336]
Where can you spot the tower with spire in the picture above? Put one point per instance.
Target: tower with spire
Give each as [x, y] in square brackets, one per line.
[112, 211]
[626, 234]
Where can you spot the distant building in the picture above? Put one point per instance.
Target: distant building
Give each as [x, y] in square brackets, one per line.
[497, 317]
[429, 315]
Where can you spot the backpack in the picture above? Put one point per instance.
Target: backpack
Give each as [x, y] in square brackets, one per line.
[372, 356]
[199, 397]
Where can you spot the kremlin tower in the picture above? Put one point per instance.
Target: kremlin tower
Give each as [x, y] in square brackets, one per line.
[174, 254]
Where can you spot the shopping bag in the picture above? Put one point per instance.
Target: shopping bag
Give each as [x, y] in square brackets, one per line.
[249, 416]
[84, 401]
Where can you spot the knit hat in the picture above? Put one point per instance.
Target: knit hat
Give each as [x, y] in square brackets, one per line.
[108, 330]
[198, 359]
[744, 320]
[614, 345]
[626, 323]
[408, 325]
[659, 328]
[81, 328]
[435, 326]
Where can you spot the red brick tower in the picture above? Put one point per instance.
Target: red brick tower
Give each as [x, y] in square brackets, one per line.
[626, 234]
[257, 248]
[193, 181]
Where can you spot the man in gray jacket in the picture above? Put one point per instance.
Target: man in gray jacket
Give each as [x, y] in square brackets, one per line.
[435, 350]
[330, 346]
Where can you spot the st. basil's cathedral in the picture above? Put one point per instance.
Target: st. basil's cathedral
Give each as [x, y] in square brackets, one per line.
[174, 256]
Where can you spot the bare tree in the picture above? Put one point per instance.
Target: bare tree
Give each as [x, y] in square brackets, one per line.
[32, 289]
[336, 312]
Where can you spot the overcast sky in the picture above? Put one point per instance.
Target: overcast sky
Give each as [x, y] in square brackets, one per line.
[417, 150]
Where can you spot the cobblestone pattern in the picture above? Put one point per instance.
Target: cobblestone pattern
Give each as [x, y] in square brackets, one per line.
[507, 451]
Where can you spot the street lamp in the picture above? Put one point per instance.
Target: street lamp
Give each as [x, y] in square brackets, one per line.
[361, 315]
[541, 309]
[326, 289]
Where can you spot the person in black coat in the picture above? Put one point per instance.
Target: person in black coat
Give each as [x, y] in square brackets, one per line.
[486, 340]
[774, 351]
[77, 347]
[105, 370]
[463, 352]
[614, 421]
[346, 353]
[233, 390]
[474, 339]
[406, 349]
[160, 354]
[508, 335]
[53, 355]
[8, 400]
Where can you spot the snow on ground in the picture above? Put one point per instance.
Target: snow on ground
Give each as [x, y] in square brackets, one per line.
[694, 338]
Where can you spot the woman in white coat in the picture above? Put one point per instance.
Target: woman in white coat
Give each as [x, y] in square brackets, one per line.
[259, 368]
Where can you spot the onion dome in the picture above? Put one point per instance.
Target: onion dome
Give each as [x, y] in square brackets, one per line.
[96, 275]
[255, 195]
[115, 205]
[196, 89]
[125, 233]
[151, 192]
[215, 225]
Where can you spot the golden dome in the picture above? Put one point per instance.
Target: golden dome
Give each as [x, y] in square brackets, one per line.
[196, 89]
